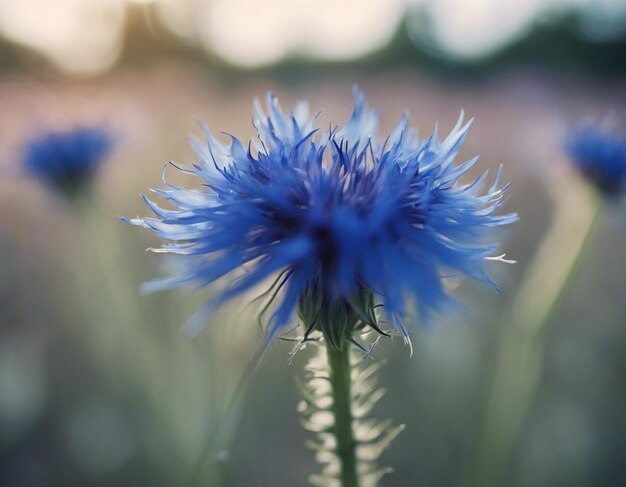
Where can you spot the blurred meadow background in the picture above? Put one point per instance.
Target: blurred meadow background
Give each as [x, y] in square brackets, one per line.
[99, 387]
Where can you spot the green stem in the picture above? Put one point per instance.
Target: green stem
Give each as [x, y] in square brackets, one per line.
[575, 265]
[519, 358]
[341, 381]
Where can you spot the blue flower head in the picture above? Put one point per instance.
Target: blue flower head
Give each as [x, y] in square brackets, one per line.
[67, 161]
[344, 222]
[600, 156]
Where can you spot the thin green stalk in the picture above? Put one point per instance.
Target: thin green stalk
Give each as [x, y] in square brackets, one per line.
[131, 341]
[518, 366]
[579, 258]
[341, 383]
[338, 396]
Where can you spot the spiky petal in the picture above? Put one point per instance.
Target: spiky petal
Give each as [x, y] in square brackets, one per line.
[347, 220]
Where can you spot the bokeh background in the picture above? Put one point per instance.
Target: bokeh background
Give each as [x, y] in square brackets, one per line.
[97, 384]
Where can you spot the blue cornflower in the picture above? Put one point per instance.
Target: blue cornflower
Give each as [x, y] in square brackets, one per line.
[600, 156]
[344, 221]
[67, 161]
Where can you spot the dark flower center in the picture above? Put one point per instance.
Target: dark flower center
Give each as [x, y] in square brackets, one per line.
[325, 246]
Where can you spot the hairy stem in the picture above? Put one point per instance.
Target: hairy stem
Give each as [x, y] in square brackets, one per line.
[341, 383]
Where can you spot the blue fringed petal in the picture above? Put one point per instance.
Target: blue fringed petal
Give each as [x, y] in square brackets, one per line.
[341, 215]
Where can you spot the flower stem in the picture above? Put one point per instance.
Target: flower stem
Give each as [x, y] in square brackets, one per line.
[518, 367]
[341, 382]
[574, 267]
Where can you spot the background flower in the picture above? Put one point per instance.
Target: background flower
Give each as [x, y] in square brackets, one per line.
[67, 161]
[600, 155]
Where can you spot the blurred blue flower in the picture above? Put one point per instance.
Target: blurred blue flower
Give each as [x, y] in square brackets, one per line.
[600, 156]
[344, 221]
[67, 161]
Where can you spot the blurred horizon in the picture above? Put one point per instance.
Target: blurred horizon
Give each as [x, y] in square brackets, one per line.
[416, 34]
